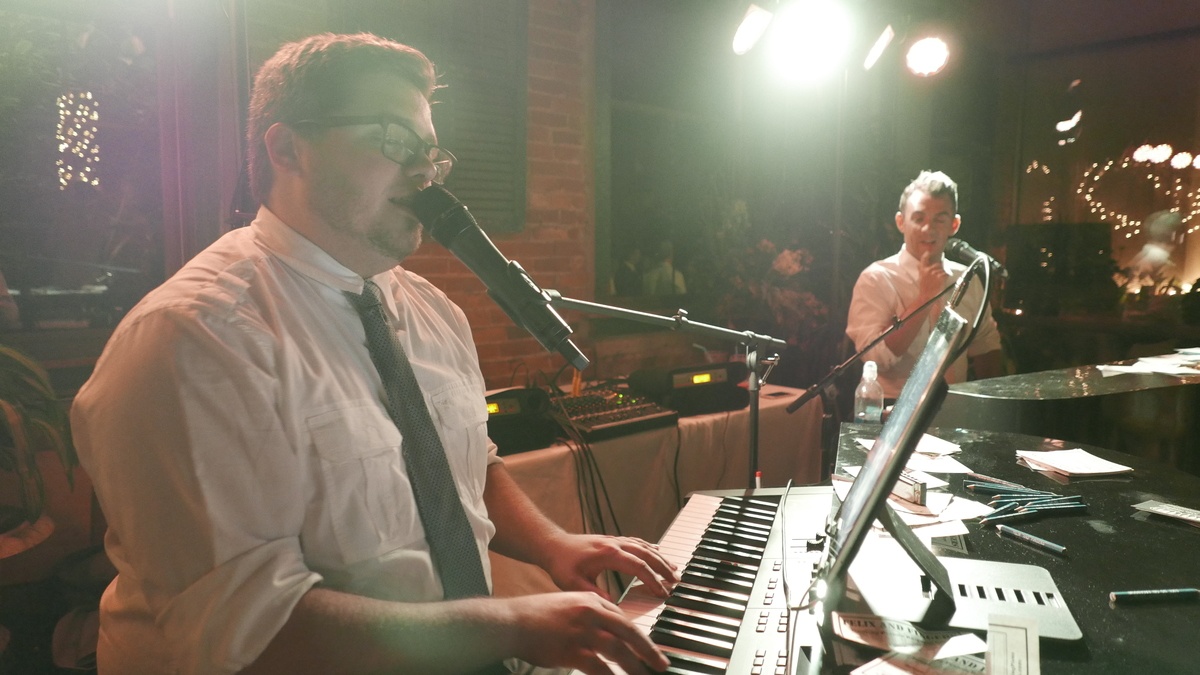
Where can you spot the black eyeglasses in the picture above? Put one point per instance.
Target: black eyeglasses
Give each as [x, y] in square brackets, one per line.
[399, 143]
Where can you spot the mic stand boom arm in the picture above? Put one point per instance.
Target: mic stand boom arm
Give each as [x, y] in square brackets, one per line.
[680, 321]
[815, 390]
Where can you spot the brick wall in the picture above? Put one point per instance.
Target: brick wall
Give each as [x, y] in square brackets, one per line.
[557, 246]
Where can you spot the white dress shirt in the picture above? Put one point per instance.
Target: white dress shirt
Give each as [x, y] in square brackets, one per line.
[235, 433]
[887, 289]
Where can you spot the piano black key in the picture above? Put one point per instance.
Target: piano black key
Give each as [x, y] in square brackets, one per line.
[750, 567]
[705, 602]
[720, 551]
[719, 520]
[732, 542]
[707, 580]
[693, 664]
[702, 617]
[747, 515]
[721, 569]
[665, 634]
[744, 537]
[680, 623]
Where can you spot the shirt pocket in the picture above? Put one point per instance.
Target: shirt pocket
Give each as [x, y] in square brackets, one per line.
[364, 482]
[460, 413]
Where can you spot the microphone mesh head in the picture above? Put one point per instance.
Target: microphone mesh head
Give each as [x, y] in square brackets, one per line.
[431, 206]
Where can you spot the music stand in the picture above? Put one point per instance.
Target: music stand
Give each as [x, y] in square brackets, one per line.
[936, 592]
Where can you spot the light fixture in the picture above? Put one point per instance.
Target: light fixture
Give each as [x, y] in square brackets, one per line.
[751, 29]
[809, 40]
[928, 56]
[1068, 124]
[881, 43]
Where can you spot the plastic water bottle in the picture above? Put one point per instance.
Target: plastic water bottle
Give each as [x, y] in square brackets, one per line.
[868, 397]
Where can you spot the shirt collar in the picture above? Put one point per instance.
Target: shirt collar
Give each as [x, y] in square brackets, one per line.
[302, 255]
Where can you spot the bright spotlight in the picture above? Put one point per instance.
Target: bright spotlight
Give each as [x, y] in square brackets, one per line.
[753, 25]
[1143, 153]
[1181, 160]
[809, 40]
[928, 56]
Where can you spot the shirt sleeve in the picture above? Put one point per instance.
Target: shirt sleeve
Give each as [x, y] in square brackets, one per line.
[870, 314]
[181, 432]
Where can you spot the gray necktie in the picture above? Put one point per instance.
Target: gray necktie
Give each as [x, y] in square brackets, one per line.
[451, 542]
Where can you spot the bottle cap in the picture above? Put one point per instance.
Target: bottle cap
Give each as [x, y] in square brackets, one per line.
[870, 370]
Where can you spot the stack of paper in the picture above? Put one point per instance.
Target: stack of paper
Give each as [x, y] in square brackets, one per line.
[1168, 364]
[1076, 462]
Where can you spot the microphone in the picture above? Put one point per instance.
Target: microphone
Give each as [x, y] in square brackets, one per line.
[960, 251]
[507, 282]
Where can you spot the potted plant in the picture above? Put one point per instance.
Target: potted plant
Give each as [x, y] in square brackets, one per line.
[32, 419]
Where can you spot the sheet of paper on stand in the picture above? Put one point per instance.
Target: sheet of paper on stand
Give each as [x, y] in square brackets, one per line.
[1075, 462]
[938, 507]
[1190, 516]
[928, 445]
[934, 461]
[1013, 647]
[905, 637]
[936, 464]
[908, 664]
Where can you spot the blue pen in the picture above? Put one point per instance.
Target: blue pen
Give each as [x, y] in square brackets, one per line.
[1031, 539]
[1154, 595]
[1053, 509]
[1015, 516]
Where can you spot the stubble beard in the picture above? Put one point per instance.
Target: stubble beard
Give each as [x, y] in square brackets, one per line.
[386, 230]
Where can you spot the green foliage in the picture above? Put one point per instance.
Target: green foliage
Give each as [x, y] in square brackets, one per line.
[32, 419]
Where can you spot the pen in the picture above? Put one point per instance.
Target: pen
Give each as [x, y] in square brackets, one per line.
[1056, 501]
[1031, 539]
[992, 488]
[989, 479]
[1020, 499]
[1154, 595]
[1003, 508]
[1014, 516]
[1054, 509]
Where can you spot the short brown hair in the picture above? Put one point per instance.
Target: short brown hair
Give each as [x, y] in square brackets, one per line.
[308, 78]
[934, 184]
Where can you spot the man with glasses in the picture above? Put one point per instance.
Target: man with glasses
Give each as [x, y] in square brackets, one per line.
[896, 286]
[249, 456]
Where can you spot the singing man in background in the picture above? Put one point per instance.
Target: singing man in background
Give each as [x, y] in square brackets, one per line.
[893, 287]
[253, 460]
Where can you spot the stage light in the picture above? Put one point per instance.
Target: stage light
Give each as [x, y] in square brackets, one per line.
[881, 43]
[753, 25]
[928, 56]
[808, 40]
[1181, 160]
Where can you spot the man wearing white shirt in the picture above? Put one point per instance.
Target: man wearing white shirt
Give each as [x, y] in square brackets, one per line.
[895, 286]
[261, 516]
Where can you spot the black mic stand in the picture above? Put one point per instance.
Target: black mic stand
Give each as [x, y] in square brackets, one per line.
[680, 321]
[816, 389]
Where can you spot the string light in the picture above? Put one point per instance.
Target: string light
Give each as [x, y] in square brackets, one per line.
[1144, 158]
[79, 154]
